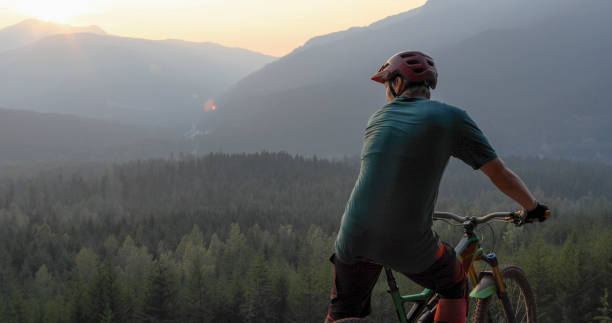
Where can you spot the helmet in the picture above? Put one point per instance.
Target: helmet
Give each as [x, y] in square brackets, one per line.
[415, 67]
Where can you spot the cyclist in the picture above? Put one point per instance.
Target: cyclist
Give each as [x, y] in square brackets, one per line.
[388, 217]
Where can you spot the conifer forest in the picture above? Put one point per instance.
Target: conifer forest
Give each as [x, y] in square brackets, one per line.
[247, 238]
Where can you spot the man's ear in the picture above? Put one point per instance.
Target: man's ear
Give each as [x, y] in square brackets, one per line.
[398, 84]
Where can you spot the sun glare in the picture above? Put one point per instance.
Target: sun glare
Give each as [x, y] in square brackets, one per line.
[56, 11]
[209, 105]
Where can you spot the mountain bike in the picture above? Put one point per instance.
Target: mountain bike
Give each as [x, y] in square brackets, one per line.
[502, 293]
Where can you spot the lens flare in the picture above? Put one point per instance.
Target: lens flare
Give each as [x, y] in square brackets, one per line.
[209, 105]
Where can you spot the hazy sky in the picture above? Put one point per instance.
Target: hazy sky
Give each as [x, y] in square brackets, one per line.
[273, 27]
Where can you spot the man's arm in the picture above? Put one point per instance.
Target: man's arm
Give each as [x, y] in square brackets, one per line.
[509, 183]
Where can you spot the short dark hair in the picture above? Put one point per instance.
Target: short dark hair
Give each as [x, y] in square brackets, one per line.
[416, 88]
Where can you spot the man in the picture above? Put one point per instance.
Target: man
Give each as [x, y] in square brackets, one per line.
[388, 218]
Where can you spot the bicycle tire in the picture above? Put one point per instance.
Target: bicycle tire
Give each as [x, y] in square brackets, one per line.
[520, 294]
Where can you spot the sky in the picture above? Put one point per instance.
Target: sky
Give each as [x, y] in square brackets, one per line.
[273, 27]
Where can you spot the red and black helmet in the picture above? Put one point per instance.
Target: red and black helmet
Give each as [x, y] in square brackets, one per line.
[415, 67]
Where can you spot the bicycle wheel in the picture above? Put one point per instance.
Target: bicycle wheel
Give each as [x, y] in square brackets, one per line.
[520, 298]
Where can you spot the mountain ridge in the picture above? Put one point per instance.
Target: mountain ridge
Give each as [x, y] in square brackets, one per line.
[322, 96]
[31, 30]
[158, 82]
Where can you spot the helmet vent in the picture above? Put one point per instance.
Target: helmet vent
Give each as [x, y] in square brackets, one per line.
[383, 67]
[430, 63]
[412, 62]
[407, 55]
[418, 70]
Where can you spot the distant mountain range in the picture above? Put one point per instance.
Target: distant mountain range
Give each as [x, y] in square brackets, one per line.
[31, 30]
[85, 72]
[533, 74]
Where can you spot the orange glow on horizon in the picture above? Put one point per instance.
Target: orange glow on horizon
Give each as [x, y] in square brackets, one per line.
[273, 27]
[59, 11]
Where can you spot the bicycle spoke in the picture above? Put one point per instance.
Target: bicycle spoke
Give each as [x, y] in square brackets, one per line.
[515, 305]
[518, 303]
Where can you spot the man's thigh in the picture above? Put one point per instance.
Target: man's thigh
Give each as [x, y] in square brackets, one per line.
[446, 276]
[352, 288]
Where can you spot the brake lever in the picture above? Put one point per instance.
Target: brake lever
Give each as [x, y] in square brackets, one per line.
[517, 219]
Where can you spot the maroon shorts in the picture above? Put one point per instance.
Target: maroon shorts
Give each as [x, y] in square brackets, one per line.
[352, 288]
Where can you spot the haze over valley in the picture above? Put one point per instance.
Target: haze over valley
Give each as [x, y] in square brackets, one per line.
[528, 72]
[85, 72]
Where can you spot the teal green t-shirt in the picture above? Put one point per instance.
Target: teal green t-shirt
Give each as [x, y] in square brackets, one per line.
[407, 145]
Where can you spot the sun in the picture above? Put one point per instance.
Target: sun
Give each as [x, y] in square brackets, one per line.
[56, 11]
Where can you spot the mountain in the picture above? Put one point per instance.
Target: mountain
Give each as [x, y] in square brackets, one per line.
[31, 30]
[163, 83]
[27, 136]
[538, 69]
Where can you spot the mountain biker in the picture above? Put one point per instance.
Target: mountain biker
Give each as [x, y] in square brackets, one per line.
[388, 217]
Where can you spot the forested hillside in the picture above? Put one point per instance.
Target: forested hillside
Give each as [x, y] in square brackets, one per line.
[246, 238]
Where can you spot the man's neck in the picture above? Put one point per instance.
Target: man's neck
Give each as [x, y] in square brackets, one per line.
[415, 96]
[421, 95]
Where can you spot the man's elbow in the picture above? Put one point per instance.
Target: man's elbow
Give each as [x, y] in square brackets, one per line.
[496, 170]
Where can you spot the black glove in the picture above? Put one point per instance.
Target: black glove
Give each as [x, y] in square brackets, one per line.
[540, 213]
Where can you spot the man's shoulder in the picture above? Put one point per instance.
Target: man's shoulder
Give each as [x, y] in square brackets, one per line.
[431, 110]
[446, 107]
[435, 104]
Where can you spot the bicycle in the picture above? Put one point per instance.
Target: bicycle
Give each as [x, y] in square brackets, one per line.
[493, 290]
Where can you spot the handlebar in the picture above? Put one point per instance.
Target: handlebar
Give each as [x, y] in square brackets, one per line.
[514, 217]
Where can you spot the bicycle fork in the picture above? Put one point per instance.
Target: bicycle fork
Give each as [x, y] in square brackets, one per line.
[491, 259]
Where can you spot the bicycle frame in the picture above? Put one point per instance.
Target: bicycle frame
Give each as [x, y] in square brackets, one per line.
[468, 251]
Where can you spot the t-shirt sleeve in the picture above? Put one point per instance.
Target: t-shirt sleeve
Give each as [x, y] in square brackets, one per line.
[470, 144]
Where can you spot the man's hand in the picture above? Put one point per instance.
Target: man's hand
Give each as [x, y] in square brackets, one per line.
[541, 212]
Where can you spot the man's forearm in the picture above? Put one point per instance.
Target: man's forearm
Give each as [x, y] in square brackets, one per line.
[512, 185]
[509, 183]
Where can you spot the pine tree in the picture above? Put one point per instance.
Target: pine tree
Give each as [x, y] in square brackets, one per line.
[136, 263]
[106, 294]
[604, 310]
[160, 299]
[570, 278]
[48, 305]
[311, 287]
[197, 273]
[260, 299]
[16, 309]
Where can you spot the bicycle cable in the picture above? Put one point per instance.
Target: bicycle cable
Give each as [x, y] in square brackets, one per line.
[450, 223]
[492, 235]
[493, 238]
